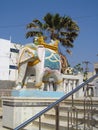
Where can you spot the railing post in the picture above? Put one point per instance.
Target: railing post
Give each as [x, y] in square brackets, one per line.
[39, 123]
[57, 117]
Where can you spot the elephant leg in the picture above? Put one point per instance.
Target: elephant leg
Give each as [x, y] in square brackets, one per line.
[48, 86]
[54, 87]
[39, 76]
[59, 82]
[29, 71]
[21, 75]
[38, 82]
[59, 86]
[45, 86]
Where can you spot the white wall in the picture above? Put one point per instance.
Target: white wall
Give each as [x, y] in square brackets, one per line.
[13, 61]
[4, 59]
[7, 59]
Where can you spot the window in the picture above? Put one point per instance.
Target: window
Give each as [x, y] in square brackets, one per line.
[14, 50]
[13, 67]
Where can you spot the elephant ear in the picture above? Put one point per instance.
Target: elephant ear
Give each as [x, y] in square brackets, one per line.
[28, 54]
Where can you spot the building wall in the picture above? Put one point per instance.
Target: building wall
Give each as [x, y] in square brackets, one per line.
[13, 60]
[4, 59]
[8, 60]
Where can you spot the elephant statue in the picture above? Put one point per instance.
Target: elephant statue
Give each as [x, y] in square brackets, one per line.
[41, 61]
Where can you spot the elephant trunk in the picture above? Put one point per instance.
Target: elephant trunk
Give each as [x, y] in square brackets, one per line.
[40, 66]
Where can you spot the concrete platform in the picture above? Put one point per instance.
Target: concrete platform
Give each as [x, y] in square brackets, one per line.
[36, 93]
[16, 110]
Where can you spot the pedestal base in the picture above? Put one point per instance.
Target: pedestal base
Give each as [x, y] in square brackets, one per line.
[23, 104]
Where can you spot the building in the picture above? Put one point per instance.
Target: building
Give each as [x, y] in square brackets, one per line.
[8, 59]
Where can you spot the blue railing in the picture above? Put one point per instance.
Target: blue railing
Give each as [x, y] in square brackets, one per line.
[52, 105]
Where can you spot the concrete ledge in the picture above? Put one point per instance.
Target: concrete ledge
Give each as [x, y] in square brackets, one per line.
[16, 110]
[25, 103]
[36, 93]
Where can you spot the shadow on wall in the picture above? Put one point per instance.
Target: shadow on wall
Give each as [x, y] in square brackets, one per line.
[5, 84]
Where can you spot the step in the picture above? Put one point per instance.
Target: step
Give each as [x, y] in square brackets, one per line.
[79, 109]
[50, 124]
[62, 117]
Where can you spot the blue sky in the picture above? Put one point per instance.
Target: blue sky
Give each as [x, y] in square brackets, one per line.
[16, 14]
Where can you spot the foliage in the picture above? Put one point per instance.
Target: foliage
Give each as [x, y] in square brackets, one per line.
[55, 27]
[78, 68]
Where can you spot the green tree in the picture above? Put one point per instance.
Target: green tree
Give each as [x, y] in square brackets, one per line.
[55, 27]
[61, 28]
[78, 68]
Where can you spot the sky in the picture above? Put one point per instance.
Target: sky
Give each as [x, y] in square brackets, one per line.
[16, 14]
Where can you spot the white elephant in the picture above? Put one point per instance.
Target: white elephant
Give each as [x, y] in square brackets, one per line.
[42, 62]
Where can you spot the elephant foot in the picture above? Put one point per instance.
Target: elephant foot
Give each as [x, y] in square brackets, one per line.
[25, 86]
[18, 87]
[38, 85]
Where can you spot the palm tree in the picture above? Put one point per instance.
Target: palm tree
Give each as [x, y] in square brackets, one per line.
[56, 27]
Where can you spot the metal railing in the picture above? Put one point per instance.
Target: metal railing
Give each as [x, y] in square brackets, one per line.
[75, 124]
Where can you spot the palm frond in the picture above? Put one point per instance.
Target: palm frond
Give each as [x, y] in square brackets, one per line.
[48, 19]
[38, 23]
[66, 42]
[69, 51]
[31, 25]
[57, 27]
[34, 33]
